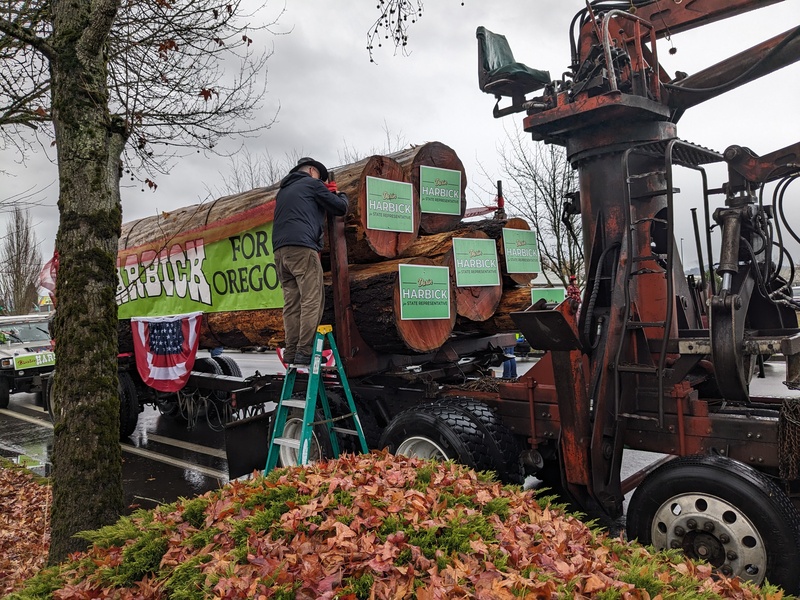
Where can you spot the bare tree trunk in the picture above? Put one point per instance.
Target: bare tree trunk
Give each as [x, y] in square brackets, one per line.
[87, 462]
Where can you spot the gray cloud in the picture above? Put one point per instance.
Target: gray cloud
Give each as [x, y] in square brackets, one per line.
[330, 95]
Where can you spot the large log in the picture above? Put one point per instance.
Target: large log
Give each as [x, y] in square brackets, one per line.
[474, 302]
[518, 278]
[433, 154]
[513, 300]
[363, 244]
[218, 219]
[237, 213]
[437, 245]
[232, 329]
[375, 299]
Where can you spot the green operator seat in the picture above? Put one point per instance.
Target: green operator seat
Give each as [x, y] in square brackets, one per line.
[500, 74]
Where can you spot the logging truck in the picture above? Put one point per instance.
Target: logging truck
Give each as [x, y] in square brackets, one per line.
[648, 359]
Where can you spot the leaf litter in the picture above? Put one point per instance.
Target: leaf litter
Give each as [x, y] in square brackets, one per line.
[371, 527]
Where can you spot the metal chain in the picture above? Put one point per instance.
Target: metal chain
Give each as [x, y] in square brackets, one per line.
[789, 439]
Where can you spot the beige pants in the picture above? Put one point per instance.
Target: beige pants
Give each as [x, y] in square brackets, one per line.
[300, 274]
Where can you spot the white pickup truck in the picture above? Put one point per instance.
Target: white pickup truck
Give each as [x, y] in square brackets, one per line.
[26, 353]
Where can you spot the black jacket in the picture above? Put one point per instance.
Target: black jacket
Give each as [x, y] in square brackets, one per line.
[300, 211]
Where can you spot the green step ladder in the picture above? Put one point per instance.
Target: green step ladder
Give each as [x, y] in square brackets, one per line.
[314, 390]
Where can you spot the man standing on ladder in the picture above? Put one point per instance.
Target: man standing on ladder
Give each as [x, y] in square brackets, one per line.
[300, 208]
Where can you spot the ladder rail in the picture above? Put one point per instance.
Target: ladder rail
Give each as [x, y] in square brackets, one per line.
[315, 391]
[674, 150]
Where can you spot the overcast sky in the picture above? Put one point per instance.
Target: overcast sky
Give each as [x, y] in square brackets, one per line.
[330, 96]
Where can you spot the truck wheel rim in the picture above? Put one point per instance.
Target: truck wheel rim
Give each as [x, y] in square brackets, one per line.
[422, 447]
[288, 456]
[709, 528]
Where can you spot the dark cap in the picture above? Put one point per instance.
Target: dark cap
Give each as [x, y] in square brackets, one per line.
[307, 160]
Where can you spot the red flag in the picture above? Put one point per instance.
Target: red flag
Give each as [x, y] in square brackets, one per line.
[165, 349]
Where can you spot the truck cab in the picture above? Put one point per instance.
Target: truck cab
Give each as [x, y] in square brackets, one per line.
[26, 354]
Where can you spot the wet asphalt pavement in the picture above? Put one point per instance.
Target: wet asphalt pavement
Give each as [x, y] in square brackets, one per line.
[163, 460]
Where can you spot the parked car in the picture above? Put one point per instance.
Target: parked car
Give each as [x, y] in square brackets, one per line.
[26, 354]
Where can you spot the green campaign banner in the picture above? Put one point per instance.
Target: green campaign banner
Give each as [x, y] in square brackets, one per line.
[554, 295]
[235, 273]
[521, 251]
[424, 292]
[476, 262]
[439, 191]
[390, 205]
[31, 361]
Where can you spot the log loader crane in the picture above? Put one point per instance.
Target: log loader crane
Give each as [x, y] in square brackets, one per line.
[654, 361]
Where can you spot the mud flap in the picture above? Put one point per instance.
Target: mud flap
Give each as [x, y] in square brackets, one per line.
[790, 348]
[247, 444]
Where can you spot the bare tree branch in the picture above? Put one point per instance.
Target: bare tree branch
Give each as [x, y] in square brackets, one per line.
[181, 75]
[537, 181]
[20, 264]
[395, 17]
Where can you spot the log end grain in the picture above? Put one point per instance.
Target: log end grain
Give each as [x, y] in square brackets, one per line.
[424, 335]
[436, 154]
[476, 303]
[517, 278]
[387, 244]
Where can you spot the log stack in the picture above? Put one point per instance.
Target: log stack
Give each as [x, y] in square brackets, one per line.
[373, 258]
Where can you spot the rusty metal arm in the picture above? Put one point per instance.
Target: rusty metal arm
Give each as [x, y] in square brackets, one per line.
[762, 59]
[669, 18]
[762, 169]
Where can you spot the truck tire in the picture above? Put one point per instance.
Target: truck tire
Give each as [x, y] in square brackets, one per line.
[211, 365]
[128, 405]
[439, 432]
[5, 392]
[169, 405]
[229, 366]
[321, 448]
[501, 443]
[723, 511]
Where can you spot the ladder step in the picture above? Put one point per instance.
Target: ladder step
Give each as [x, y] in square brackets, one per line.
[643, 324]
[294, 403]
[639, 417]
[345, 431]
[287, 442]
[643, 175]
[654, 193]
[649, 220]
[634, 368]
[648, 258]
[647, 272]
